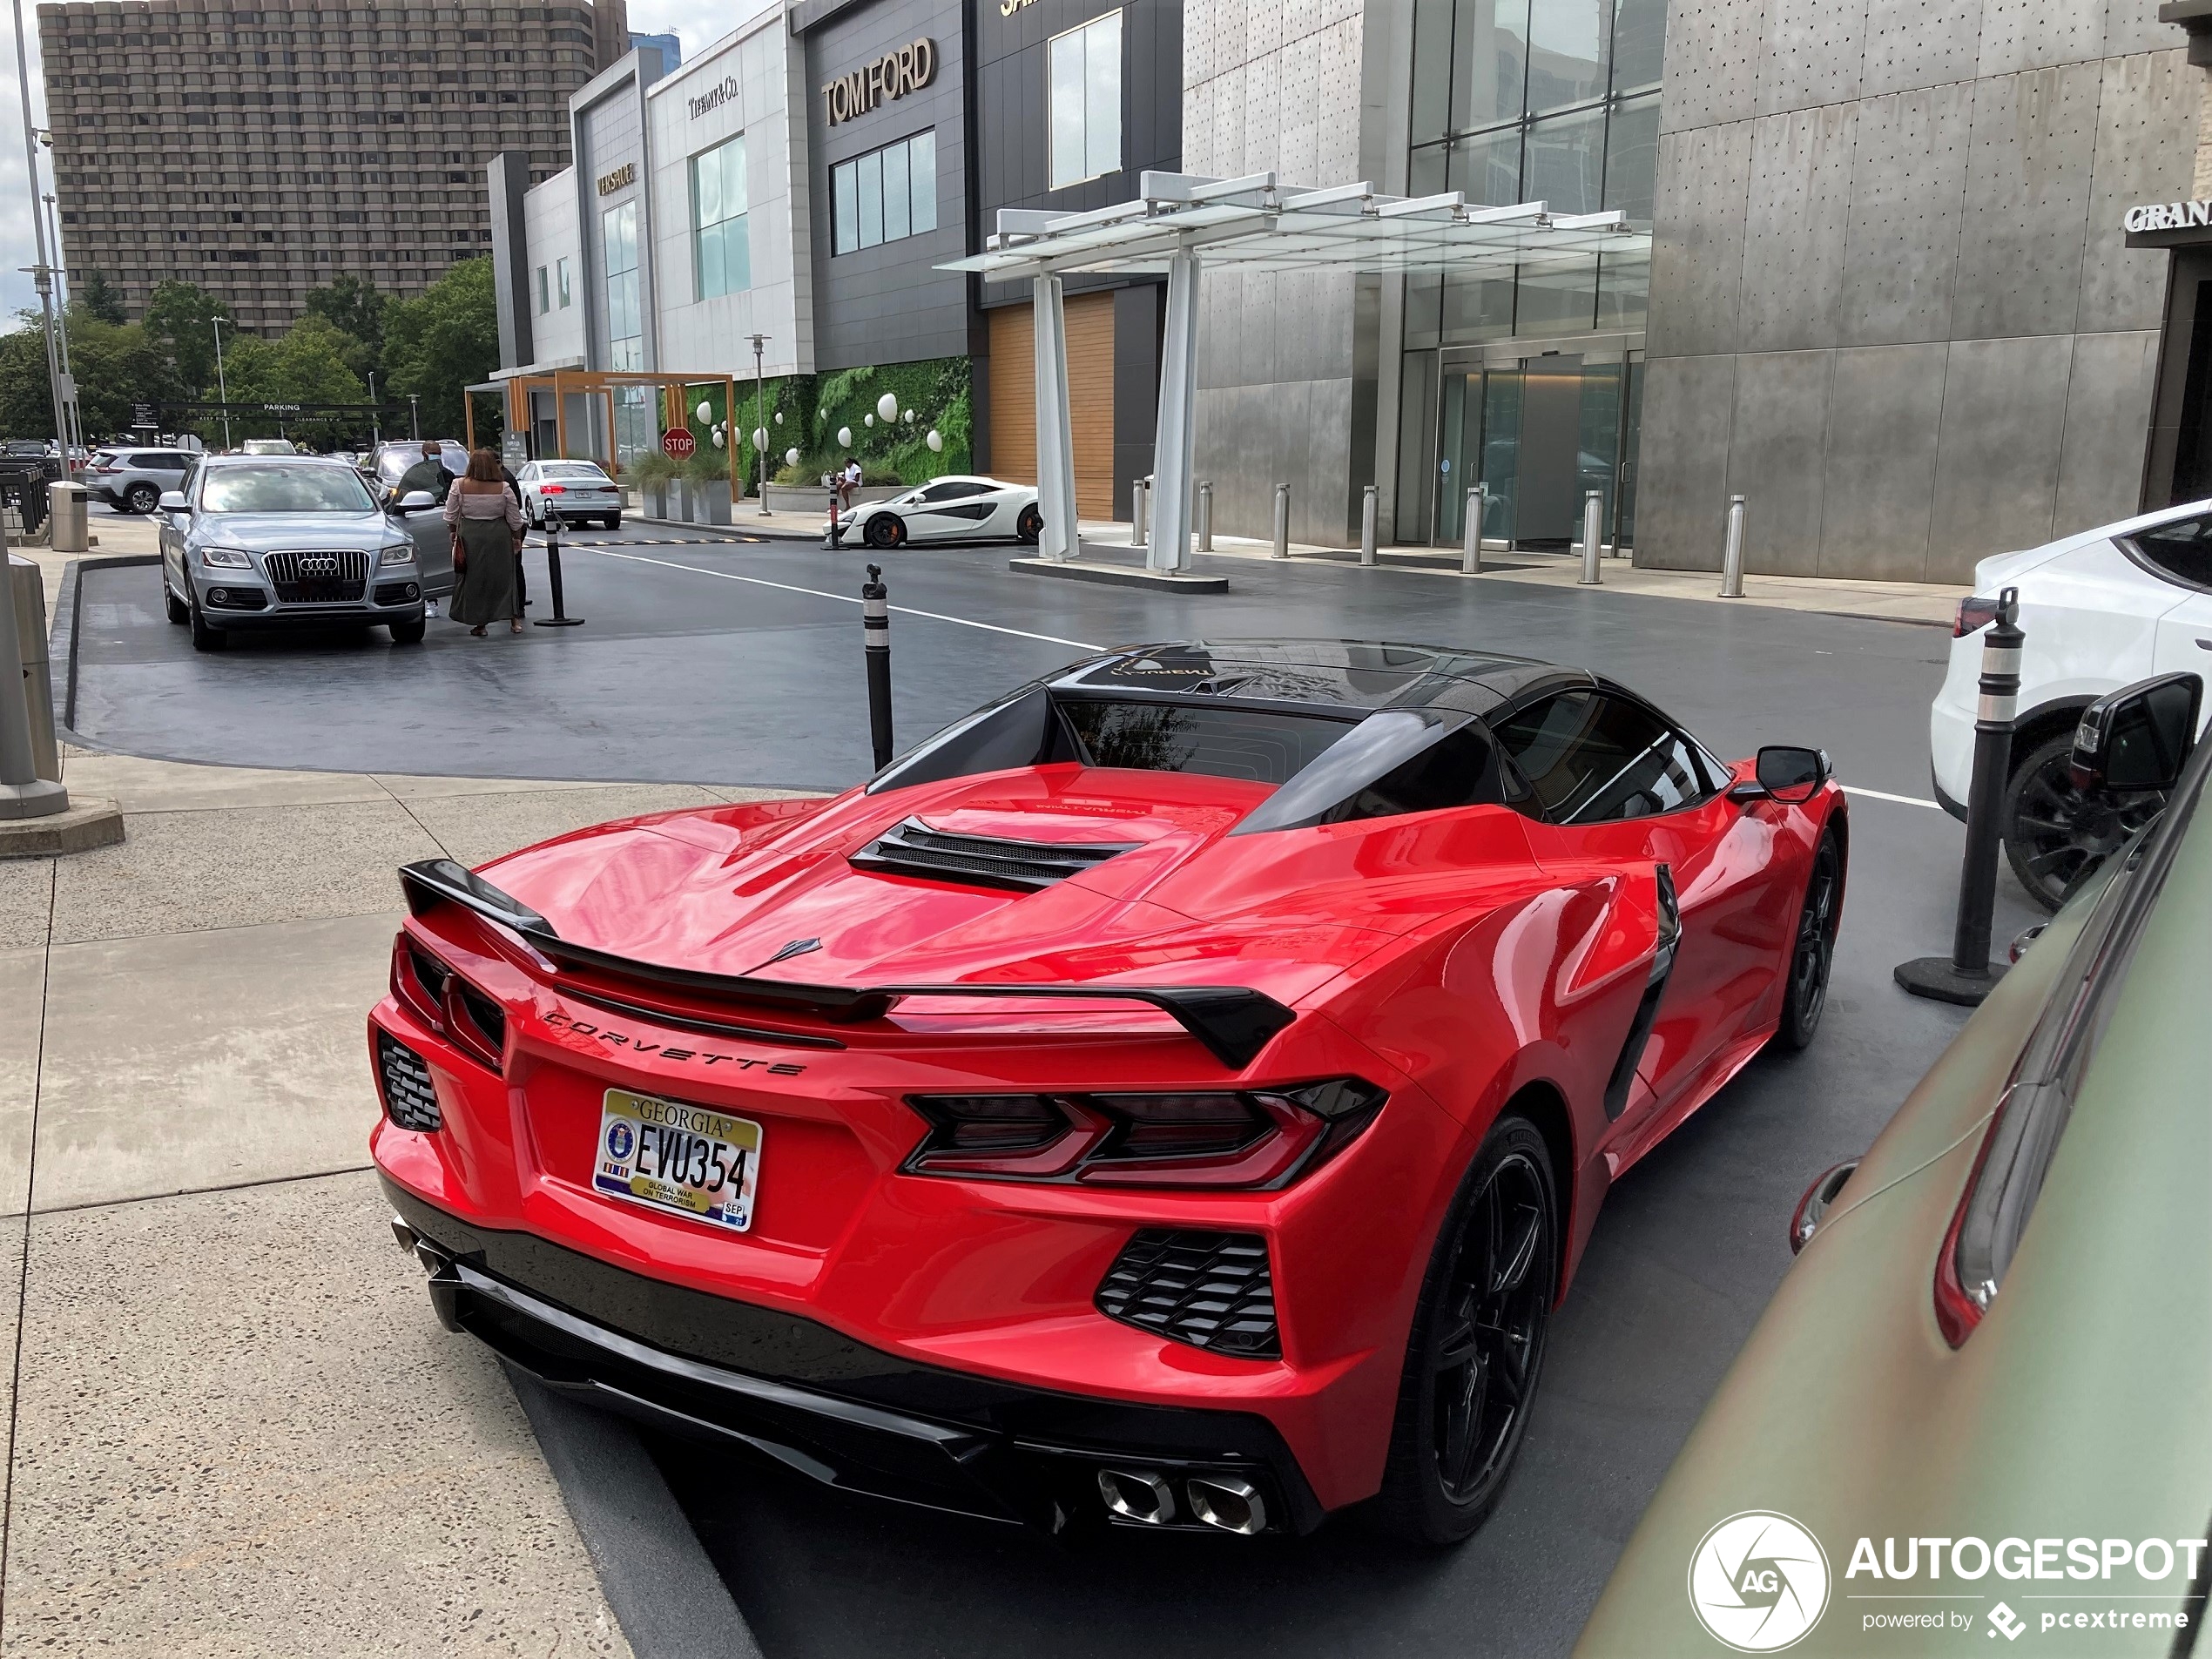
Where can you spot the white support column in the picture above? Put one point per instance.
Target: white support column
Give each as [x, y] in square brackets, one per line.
[1055, 423]
[1174, 440]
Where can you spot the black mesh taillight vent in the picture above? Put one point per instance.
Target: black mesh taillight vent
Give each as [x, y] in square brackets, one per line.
[1210, 1290]
[485, 1015]
[410, 1099]
[980, 861]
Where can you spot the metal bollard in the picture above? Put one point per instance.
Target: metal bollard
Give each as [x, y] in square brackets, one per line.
[1966, 975]
[37, 680]
[559, 618]
[1471, 542]
[1593, 519]
[1368, 526]
[24, 793]
[1282, 548]
[1732, 551]
[1205, 517]
[1140, 509]
[875, 632]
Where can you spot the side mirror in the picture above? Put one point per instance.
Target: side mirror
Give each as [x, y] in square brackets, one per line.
[415, 501]
[2138, 737]
[172, 501]
[1786, 773]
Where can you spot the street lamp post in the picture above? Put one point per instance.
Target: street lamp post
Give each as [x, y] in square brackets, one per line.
[222, 388]
[376, 413]
[43, 271]
[414, 415]
[73, 411]
[760, 416]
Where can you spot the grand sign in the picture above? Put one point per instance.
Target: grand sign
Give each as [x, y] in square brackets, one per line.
[893, 75]
[2169, 216]
[621, 179]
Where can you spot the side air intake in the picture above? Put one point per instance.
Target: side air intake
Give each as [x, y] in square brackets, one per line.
[915, 849]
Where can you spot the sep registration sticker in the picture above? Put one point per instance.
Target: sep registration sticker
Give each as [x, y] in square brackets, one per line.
[673, 1157]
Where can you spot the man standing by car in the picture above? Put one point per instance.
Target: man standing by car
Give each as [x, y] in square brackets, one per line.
[429, 474]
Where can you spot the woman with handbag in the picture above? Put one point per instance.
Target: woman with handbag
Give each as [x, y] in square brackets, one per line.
[487, 528]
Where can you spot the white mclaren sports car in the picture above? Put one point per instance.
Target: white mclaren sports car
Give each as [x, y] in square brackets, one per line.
[952, 509]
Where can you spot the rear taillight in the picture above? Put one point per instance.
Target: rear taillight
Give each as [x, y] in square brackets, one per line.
[1199, 1138]
[450, 1006]
[1959, 1305]
[552, 489]
[1974, 613]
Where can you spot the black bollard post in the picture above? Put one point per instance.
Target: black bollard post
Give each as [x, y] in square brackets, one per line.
[559, 618]
[875, 624]
[1966, 976]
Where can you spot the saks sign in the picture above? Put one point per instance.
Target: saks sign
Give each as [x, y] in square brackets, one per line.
[714, 97]
[2169, 216]
[893, 75]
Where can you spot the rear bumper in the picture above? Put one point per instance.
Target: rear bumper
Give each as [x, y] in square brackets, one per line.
[819, 1402]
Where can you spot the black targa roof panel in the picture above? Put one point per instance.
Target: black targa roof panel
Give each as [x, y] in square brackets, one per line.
[1358, 676]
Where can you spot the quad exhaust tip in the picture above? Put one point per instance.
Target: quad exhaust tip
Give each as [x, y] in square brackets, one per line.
[433, 1259]
[1137, 1496]
[1222, 1502]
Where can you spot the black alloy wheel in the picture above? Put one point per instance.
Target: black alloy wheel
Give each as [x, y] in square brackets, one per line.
[1477, 1343]
[1030, 525]
[2054, 834]
[178, 611]
[887, 530]
[203, 636]
[1812, 957]
[141, 498]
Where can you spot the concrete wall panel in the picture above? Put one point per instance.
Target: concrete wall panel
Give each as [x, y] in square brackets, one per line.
[1811, 53]
[2027, 203]
[1774, 459]
[1912, 44]
[2108, 418]
[1884, 410]
[1997, 460]
[2133, 26]
[1799, 209]
[1713, 53]
[1908, 192]
[1697, 252]
[2017, 35]
[2147, 115]
[1688, 408]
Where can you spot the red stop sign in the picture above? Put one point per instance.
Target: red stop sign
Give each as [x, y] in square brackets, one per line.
[679, 443]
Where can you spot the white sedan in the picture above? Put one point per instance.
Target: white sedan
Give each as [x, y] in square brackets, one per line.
[951, 509]
[573, 491]
[2101, 608]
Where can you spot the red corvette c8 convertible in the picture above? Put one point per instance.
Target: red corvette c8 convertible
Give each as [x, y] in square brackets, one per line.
[1176, 1095]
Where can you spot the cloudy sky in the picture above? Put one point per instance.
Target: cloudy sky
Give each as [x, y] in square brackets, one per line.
[697, 22]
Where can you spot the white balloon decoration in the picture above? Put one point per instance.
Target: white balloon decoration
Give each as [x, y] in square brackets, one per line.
[844, 437]
[868, 420]
[706, 410]
[887, 407]
[936, 441]
[779, 417]
[908, 417]
[760, 439]
[718, 440]
[791, 457]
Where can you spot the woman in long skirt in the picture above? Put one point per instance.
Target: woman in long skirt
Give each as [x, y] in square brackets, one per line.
[487, 529]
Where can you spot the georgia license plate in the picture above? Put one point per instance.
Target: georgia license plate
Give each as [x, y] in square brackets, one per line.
[703, 1163]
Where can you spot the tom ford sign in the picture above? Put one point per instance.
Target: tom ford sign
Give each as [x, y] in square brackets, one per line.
[892, 76]
[2169, 216]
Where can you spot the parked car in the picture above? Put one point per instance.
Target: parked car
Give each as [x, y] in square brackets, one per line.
[45, 454]
[2100, 610]
[390, 462]
[134, 481]
[573, 491]
[262, 542]
[268, 446]
[951, 509]
[1221, 1223]
[1989, 1354]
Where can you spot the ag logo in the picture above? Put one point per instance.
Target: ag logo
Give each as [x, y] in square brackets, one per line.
[1759, 1581]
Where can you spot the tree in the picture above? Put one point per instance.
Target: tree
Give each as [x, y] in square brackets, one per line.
[117, 368]
[304, 364]
[179, 318]
[351, 304]
[95, 295]
[443, 341]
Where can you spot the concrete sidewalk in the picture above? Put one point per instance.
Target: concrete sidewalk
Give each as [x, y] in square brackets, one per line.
[235, 1426]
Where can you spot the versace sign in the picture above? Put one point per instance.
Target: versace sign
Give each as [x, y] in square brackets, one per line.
[621, 179]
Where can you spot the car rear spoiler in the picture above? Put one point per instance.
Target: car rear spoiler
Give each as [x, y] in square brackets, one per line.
[1233, 1022]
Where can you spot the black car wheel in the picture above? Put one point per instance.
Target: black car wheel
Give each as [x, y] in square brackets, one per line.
[1030, 524]
[1477, 1343]
[408, 633]
[2053, 833]
[141, 498]
[178, 611]
[887, 529]
[613, 520]
[1813, 955]
[203, 636]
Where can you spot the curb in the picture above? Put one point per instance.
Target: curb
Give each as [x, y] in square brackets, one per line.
[61, 640]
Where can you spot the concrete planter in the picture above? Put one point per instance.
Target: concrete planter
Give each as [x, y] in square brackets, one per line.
[656, 501]
[709, 503]
[814, 498]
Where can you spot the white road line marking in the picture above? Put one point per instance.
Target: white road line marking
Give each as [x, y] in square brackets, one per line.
[1902, 801]
[845, 599]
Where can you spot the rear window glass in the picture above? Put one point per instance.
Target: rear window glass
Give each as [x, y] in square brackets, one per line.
[572, 469]
[1259, 748]
[2181, 552]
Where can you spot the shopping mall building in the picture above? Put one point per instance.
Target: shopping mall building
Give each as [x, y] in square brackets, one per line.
[1923, 282]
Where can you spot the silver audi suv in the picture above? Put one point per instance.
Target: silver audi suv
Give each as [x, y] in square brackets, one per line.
[253, 542]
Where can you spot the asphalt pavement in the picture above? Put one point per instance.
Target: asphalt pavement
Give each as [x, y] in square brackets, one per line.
[740, 663]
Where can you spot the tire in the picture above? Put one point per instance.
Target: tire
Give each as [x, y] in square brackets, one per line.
[2054, 835]
[180, 612]
[1464, 1400]
[614, 521]
[141, 498]
[408, 633]
[886, 530]
[203, 636]
[1030, 525]
[1812, 955]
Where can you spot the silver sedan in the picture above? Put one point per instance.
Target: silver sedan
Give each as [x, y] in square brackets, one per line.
[254, 543]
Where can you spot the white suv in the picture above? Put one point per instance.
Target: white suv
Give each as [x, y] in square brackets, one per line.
[2101, 609]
